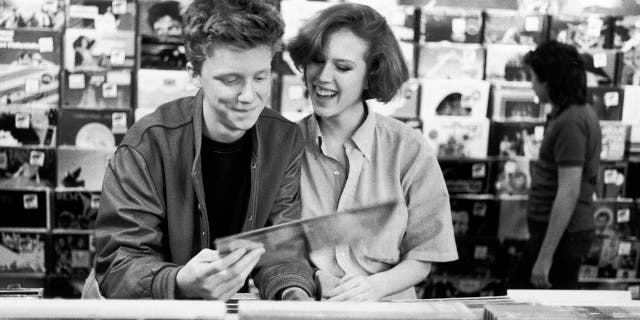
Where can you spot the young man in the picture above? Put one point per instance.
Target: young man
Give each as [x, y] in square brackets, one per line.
[205, 167]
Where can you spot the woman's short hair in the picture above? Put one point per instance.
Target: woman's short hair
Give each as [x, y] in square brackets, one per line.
[243, 24]
[561, 67]
[386, 68]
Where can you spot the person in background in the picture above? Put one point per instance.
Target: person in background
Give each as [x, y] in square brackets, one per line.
[164, 18]
[563, 179]
[354, 157]
[204, 167]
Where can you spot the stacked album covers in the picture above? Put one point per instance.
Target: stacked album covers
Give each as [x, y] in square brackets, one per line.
[465, 98]
[516, 139]
[458, 137]
[451, 61]
[504, 62]
[75, 209]
[583, 32]
[22, 125]
[607, 101]
[22, 252]
[24, 208]
[93, 129]
[466, 176]
[453, 25]
[32, 14]
[98, 49]
[25, 167]
[516, 101]
[30, 63]
[512, 27]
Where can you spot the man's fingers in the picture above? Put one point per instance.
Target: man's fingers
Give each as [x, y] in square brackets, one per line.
[207, 255]
[247, 262]
[223, 264]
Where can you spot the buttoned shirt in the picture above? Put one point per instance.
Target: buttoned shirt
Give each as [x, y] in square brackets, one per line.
[386, 160]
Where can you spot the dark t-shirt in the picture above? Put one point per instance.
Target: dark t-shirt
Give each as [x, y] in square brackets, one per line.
[226, 174]
[571, 138]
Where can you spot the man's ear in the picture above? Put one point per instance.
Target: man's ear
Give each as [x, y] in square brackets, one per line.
[194, 77]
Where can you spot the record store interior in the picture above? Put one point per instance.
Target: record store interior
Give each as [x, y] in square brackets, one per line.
[76, 75]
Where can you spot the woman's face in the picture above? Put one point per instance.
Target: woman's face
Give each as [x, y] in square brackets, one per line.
[336, 77]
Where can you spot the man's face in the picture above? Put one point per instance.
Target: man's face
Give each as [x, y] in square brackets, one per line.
[237, 85]
[167, 26]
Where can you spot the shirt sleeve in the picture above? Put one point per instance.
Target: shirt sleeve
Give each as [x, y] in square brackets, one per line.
[429, 235]
[570, 144]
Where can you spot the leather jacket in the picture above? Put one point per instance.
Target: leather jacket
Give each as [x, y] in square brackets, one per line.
[153, 219]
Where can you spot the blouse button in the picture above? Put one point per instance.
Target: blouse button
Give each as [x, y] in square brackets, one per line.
[336, 173]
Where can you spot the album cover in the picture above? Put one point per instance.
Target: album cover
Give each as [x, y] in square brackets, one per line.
[458, 137]
[453, 25]
[583, 32]
[477, 257]
[22, 167]
[467, 98]
[75, 209]
[474, 216]
[626, 32]
[161, 18]
[511, 177]
[516, 101]
[158, 87]
[465, 175]
[630, 66]
[82, 167]
[504, 62]
[40, 14]
[513, 27]
[516, 139]
[29, 66]
[616, 218]
[27, 125]
[22, 252]
[607, 101]
[93, 129]
[513, 218]
[163, 53]
[97, 49]
[24, 208]
[601, 67]
[444, 60]
[105, 15]
[98, 89]
[73, 254]
[614, 135]
[294, 102]
[404, 104]
[612, 178]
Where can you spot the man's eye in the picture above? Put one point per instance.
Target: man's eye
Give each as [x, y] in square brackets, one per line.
[231, 81]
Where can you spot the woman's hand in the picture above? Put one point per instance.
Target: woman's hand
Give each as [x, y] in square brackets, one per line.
[355, 287]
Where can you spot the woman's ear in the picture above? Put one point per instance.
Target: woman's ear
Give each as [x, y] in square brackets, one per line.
[194, 77]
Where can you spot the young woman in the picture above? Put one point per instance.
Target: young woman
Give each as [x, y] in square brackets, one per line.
[354, 157]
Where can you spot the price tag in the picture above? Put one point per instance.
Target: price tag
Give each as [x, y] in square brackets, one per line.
[610, 176]
[109, 90]
[36, 158]
[624, 215]
[480, 252]
[169, 82]
[119, 6]
[121, 78]
[478, 170]
[611, 99]
[594, 26]
[76, 81]
[532, 24]
[600, 60]
[117, 57]
[480, 209]
[23, 121]
[30, 201]
[4, 160]
[624, 248]
[95, 201]
[46, 44]
[538, 133]
[31, 86]
[119, 122]
[510, 167]
[458, 25]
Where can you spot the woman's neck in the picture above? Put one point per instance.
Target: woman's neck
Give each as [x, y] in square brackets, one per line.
[342, 126]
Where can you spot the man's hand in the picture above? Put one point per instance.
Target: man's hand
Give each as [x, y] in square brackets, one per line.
[210, 277]
[355, 287]
[540, 273]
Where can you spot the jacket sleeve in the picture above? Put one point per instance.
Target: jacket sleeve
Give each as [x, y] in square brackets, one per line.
[296, 272]
[130, 260]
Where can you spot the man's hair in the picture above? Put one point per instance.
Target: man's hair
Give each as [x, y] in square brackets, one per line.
[244, 24]
[161, 9]
[386, 68]
[561, 67]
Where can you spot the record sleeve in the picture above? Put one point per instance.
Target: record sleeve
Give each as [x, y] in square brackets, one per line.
[516, 139]
[106, 15]
[607, 101]
[630, 67]
[98, 89]
[504, 62]
[626, 32]
[22, 252]
[466, 98]
[27, 125]
[453, 25]
[32, 14]
[513, 27]
[97, 49]
[458, 137]
[93, 129]
[73, 254]
[75, 209]
[157, 87]
[466, 175]
[474, 216]
[451, 61]
[24, 208]
[612, 179]
[82, 168]
[30, 66]
[584, 32]
[513, 218]
[614, 137]
[404, 104]
[511, 177]
[602, 67]
[24, 167]
[516, 101]
[161, 18]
